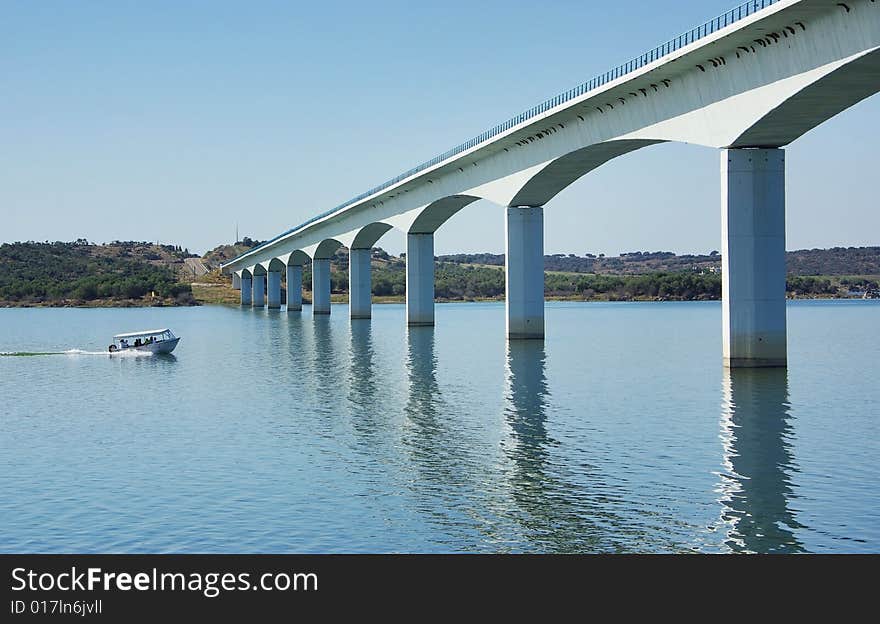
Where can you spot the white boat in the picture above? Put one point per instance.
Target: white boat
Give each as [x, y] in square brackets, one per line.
[151, 341]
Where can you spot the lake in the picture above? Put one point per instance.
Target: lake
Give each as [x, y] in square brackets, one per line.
[276, 432]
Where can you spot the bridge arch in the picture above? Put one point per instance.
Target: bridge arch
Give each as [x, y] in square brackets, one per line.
[369, 235]
[258, 285]
[274, 265]
[562, 172]
[435, 214]
[326, 249]
[295, 258]
[815, 104]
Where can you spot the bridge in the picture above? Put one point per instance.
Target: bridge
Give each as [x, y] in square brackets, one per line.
[748, 83]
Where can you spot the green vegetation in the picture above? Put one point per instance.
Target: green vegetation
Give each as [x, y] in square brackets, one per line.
[138, 273]
[668, 286]
[829, 286]
[838, 261]
[467, 282]
[40, 273]
[468, 277]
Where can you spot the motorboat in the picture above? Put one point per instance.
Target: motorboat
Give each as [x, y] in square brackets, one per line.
[151, 341]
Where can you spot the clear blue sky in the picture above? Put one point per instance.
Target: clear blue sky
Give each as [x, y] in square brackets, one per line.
[175, 120]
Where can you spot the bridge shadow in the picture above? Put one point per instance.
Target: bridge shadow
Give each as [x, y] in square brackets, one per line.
[756, 484]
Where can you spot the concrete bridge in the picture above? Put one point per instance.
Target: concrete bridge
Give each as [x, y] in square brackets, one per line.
[748, 83]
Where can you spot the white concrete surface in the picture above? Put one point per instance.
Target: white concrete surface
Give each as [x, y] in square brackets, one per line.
[753, 257]
[259, 298]
[246, 290]
[420, 279]
[321, 286]
[360, 283]
[236, 280]
[273, 290]
[294, 288]
[524, 272]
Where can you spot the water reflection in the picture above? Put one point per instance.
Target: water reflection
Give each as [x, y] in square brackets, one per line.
[527, 397]
[325, 374]
[560, 512]
[756, 485]
[424, 402]
[363, 393]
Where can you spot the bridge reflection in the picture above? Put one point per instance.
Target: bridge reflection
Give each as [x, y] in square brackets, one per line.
[363, 391]
[756, 484]
[527, 398]
[560, 511]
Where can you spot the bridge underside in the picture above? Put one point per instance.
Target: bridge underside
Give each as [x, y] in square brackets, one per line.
[816, 104]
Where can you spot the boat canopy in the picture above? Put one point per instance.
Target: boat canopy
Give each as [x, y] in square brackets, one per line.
[141, 334]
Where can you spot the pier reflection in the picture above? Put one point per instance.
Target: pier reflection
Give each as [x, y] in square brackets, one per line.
[527, 397]
[424, 400]
[363, 394]
[560, 512]
[443, 463]
[756, 484]
[325, 363]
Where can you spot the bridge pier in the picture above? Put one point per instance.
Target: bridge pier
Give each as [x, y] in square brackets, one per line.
[259, 299]
[524, 272]
[360, 285]
[246, 290]
[273, 289]
[294, 288]
[236, 281]
[753, 257]
[321, 286]
[420, 279]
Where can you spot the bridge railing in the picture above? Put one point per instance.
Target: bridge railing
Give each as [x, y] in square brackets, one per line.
[695, 34]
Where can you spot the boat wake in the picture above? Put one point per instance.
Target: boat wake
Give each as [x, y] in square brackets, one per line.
[117, 354]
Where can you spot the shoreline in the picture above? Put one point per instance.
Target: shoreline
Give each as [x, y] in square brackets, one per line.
[343, 299]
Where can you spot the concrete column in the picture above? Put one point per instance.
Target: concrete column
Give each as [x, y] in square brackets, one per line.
[273, 288]
[420, 279]
[524, 272]
[753, 257]
[294, 288]
[259, 299]
[321, 286]
[360, 285]
[246, 292]
[236, 281]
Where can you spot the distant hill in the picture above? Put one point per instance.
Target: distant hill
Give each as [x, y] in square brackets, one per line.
[834, 261]
[81, 273]
[224, 253]
[806, 262]
[125, 273]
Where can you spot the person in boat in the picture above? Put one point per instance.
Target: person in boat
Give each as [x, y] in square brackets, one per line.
[137, 342]
[124, 343]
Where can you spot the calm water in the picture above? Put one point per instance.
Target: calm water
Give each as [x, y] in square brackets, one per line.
[276, 432]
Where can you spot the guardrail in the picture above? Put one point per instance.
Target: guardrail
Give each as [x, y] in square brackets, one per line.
[695, 34]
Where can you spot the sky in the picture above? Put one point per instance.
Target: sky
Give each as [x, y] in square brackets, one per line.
[179, 121]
